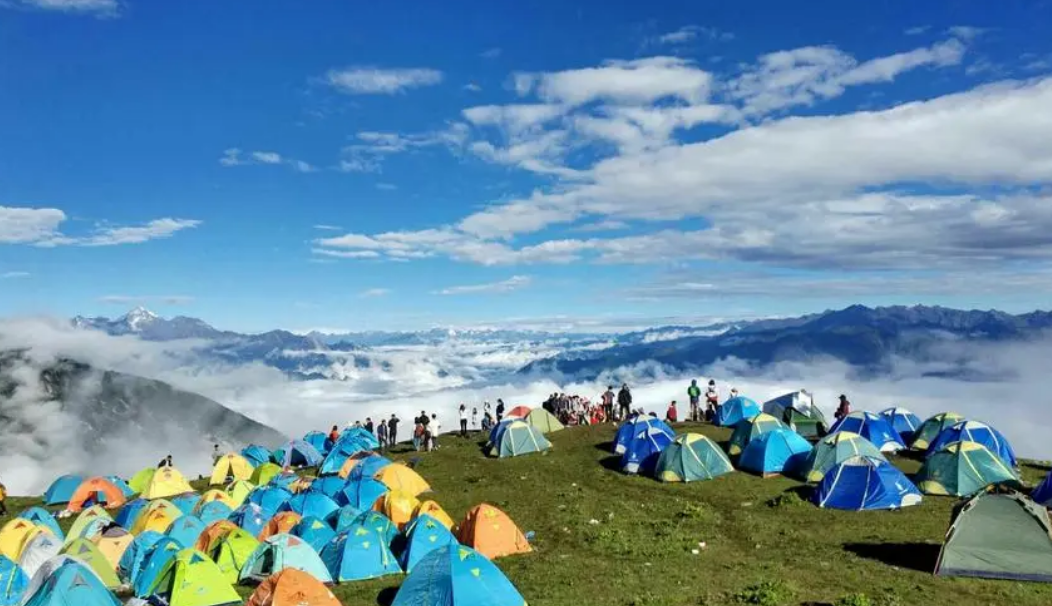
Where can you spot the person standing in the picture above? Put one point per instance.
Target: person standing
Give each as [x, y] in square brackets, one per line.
[474, 418]
[392, 430]
[694, 393]
[608, 402]
[463, 421]
[500, 409]
[369, 425]
[3, 499]
[624, 401]
[381, 435]
[334, 435]
[843, 409]
[435, 427]
[712, 401]
[216, 454]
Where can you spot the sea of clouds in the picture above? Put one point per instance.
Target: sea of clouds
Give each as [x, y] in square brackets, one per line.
[437, 379]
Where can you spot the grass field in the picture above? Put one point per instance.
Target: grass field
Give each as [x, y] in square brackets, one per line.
[608, 539]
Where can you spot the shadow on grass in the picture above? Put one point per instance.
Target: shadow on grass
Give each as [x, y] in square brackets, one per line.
[612, 463]
[605, 446]
[1037, 467]
[913, 556]
[386, 596]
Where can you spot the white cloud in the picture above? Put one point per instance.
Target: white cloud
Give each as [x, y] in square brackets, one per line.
[235, 157]
[103, 8]
[24, 225]
[473, 87]
[11, 275]
[966, 32]
[266, 157]
[512, 283]
[347, 254]
[376, 81]
[112, 236]
[367, 153]
[490, 53]
[375, 292]
[328, 227]
[126, 300]
[918, 30]
[639, 81]
[39, 226]
[689, 33]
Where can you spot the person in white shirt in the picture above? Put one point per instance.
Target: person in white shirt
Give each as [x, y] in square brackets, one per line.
[474, 418]
[712, 401]
[435, 427]
[734, 392]
[463, 421]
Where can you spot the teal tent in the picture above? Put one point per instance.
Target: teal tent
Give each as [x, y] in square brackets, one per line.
[359, 553]
[73, 584]
[424, 535]
[460, 576]
[283, 551]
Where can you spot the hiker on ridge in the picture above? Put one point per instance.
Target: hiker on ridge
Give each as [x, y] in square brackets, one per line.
[500, 409]
[334, 434]
[694, 393]
[671, 415]
[369, 425]
[435, 427]
[381, 434]
[843, 409]
[712, 401]
[3, 497]
[463, 421]
[215, 454]
[608, 402]
[392, 430]
[624, 400]
[474, 418]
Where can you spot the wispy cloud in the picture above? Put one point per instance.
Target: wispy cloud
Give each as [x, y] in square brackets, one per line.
[346, 254]
[512, 283]
[386, 186]
[367, 153]
[40, 227]
[490, 53]
[236, 157]
[10, 275]
[689, 33]
[328, 227]
[966, 32]
[472, 87]
[916, 31]
[374, 292]
[100, 8]
[146, 299]
[376, 81]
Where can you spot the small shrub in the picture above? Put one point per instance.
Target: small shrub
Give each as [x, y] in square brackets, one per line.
[854, 599]
[767, 593]
[786, 499]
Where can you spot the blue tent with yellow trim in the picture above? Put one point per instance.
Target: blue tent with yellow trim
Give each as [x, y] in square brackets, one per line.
[455, 575]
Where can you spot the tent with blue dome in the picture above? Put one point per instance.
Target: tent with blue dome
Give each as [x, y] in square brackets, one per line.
[256, 454]
[42, 517]
[643, 450]
[134, 557]
[736, 410]
[780, 451]
[311, 503]
[1042, 494]
[422, 536]
[62, 489]
[13, 582]
[902, 421]
[317, 533]
[344, 518]
[157, 558]
[457, 575]
[361, 435]
[519, 438]
[494, 433]
[329, 486]
[980, 433]
[213, 511]
[269, 498]
[128, 512]
[319, 441]
[251, 517]
[359, 553]
[383, 525]
[872, 427]
[185, 530]
[362, 493]
[368, 467]
[297, 453]
[932, 427]
[186, 502]
[120, 483]
[283, 551]
[633, 426]
[864, 483]
[72, 583]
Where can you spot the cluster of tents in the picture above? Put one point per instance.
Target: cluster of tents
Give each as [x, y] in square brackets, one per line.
[259, 524]
[522, 432]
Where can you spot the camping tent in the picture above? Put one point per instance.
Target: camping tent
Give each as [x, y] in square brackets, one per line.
[424, 535]
[166, 482]
[963, 469]
[980, 433]
[459, 575]
[282, 523]
[750, 428]
[292, 587]
[361, 493]
[70, 583]
[735, 410]
[311, 504]
[834, 449]
[191, 579]
[120, 483]
[251, 517]
[359, 553]
[781, 451]
[230, 552]
[519, 412]
[42, 517]
[37, 550]
[344, 518]
[398, 506]
[263, 473]
[87, 552]
[872, 427]
[62, 489]
[691, 457]
[158, 516]
[398, 476]
[1042, 494]
[186, 530]
[134, 557]
[283, 551]
[257, 455]
[212, 533]
[631, 428]
[141, 479]
[329, 486]
[130, 511]
[186, 502]
[492, 533]
[903, 421]
[315, 532]
[96, 490]
[230, 466]
[79, 528]
[863, 483]
[998, 535]
[239, 491]
[798, 411]
[216, 495]
[319, 441]
[434, 510]
[378, 522]
[112, 543]
[13, 582]
[297, 453]
[157, 558]
[13, 536]
[642, 451]
[543, 420]
[363, 467]
[271, 499]
[931, 428]
[519, 438]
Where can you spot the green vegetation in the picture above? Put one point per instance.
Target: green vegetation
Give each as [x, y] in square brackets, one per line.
[608, 539]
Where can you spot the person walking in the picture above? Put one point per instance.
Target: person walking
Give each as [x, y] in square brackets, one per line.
[463, 421]
[381, 435]
[624, 401]
[474, 419]
[392, 430]
[694, 393]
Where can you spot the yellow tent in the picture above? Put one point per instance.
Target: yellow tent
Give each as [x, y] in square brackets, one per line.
[113, 543]
[398, 506]
[398, 476]
[14, 535]
[239, 490]
[434, 510]
[218, 495]
[166, 482]
[230, 466]
[157, 516]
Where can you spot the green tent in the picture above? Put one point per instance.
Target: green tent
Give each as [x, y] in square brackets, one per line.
[798, 411]
[543, 420]
[85, 520]
[747, 429]
[518, 438]
[834, 450]
[263, 474]
[142, 479]
[962, 469]
[691, 457]
[232, 551]
[283, 551]
[88, 553]
[191, 579]
[930, 429]
[998, 535]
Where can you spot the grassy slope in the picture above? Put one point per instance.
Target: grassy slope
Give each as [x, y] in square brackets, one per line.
[640, 552]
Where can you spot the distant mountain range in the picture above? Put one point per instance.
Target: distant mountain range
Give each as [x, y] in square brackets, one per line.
[865, 338]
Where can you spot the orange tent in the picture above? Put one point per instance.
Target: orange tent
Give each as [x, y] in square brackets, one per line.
[212, 533]
[292, 587]
[434, 510]
[492, 533]
[281, 523]
[519, 411]
[90, 489]
[348, 465]
[398, 476]
[398, 506]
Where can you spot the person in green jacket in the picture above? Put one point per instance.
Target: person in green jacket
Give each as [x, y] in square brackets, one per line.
[694, 393]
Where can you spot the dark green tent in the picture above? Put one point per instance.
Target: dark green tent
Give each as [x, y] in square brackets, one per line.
[798, 411]
[998, 535]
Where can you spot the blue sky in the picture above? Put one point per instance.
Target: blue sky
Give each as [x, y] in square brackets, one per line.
[361, 165]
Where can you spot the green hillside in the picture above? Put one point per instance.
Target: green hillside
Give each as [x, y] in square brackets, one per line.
[763, 545]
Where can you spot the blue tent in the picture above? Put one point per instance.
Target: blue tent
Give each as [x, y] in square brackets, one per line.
[736, 410]
[633, 426]
[315, 532]
[329, 486]
[359, 553]
[343, 518]
[157, 558]
[368, 467]
[297, 453]
[498, 429]
[257, 455]
[134, 557]
[779, 451]
[120, 483]
[903, 421]
[862, 483]
[644, 449]
[13, 582]
[423, 535]
[72, 583]
[311, 504]
[380, 523]
[319, 441]
[213, 511]
[185, 530]
[39, 515]
[1042, 495]
[872, 427]
[251, 518]
[457, 576]
[283, 480]
[353, 441]
[269, 498]
[973, 431]
[362, 493]
[186, 502]
[359, 434]
[62, 489]
[130, 511]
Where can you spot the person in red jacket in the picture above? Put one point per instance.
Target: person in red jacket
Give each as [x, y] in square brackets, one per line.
[671, 415]
[844, 409]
